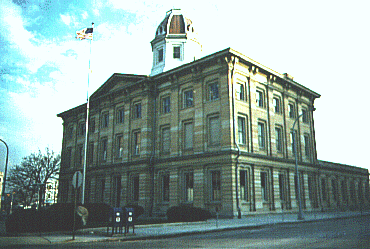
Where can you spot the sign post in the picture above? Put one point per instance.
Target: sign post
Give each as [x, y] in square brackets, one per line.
[76, 183]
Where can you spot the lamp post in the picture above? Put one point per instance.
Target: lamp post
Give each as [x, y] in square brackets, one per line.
[300, 214]
[6, 169]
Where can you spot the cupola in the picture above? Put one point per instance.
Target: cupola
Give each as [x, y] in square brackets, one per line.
[175, 42]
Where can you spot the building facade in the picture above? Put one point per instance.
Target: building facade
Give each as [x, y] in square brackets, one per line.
[214, 133]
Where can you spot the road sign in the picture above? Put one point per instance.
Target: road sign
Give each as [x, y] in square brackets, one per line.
[77, 179]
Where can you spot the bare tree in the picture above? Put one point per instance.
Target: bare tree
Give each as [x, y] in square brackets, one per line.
[33, 174]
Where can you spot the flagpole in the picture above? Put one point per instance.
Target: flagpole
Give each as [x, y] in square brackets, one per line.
[87, 127]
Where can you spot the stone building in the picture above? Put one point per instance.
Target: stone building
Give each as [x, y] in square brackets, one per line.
[214, 132]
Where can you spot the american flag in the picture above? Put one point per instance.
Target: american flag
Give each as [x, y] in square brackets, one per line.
[86, 33]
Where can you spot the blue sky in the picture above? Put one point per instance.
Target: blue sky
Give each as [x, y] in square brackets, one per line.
[43, 68]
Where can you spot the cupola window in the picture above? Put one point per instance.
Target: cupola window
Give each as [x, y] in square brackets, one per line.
[160, 55]
[176, 52]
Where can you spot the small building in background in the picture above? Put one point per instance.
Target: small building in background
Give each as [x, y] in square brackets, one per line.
[51, 192]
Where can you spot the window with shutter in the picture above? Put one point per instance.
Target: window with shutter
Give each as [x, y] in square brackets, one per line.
[188, 136]
[214, 131]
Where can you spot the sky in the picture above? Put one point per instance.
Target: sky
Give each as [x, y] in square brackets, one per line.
[323, 44]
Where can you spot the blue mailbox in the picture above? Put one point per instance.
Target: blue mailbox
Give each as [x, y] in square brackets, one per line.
[130, 219]
[116, 220]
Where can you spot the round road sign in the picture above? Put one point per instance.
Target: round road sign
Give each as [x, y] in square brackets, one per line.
[77, 179]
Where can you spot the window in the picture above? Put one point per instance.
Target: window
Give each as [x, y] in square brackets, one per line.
[334, 184]
[260, 98]
[92, 125]
[279, 139]
[100, 189]
[68, 157]
[305, 117]
[104, 149]
[188, 98]
[160, 55]
[307, 146]
[90, 153]
[119, 146]
[165, 140]
[213, 91]
[116, 191]
[64, 189]
[282, 187]
[80, 155]
[188, 136]
[261, 136]
[136, 143]
[360, 192]
[343, 187]
[240, 92]
[88, 190]
[352, 191]
[81, 129]
[301, 184]
[244, 185]
[216, 185]
[165, 182]
[312, 193]
[276, 104]
[291, 110]
[70, 132]
[242, 138]
[214, 131]
[166, 104]
[135, 188]
[120, 115]
[294, 140]
[136, 111]
[323, 189]
[264, 186]
[189, 186]
[105, 120]
[176, 52]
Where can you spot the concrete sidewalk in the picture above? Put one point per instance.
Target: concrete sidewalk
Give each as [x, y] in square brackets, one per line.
[173, 229]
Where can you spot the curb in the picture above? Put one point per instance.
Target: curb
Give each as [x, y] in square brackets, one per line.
[83, 236]
[249, 227]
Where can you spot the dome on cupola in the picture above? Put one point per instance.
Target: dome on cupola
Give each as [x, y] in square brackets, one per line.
[175, 42]
[175, 23]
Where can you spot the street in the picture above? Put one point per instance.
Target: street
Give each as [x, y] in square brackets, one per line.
[342, 233]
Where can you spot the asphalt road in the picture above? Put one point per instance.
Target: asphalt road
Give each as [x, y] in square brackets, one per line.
[342, 233]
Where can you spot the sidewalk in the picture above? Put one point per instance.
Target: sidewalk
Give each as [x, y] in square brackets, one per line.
[173, 229]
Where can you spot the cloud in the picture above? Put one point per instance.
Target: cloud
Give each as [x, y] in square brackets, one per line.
[135, 6]
[66, 19]
[12, 26]
[84, 15]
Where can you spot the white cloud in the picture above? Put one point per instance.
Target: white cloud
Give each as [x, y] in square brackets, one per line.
[135, 6]
[84, 15]
[12, 26]
[66, 19]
